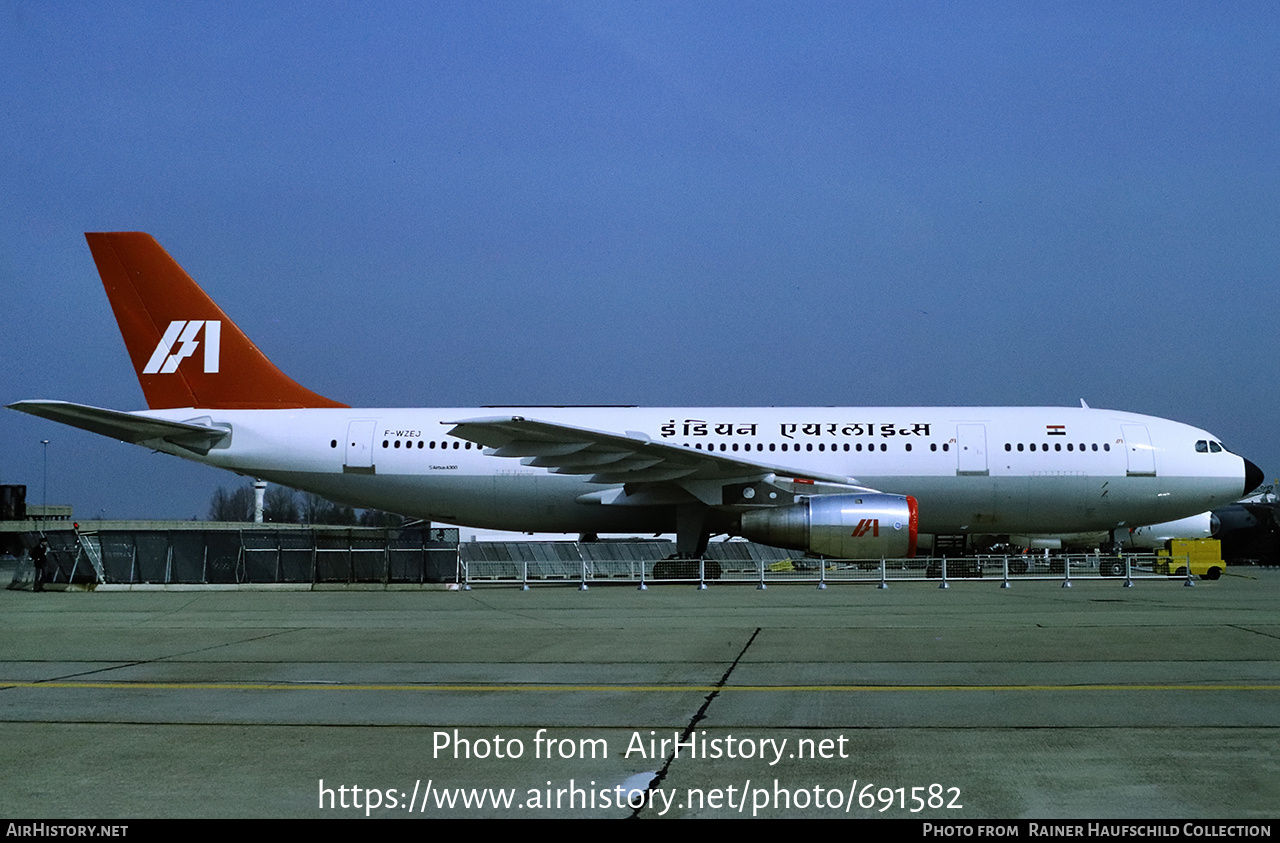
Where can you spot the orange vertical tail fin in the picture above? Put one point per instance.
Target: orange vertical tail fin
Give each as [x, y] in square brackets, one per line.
[185, 350]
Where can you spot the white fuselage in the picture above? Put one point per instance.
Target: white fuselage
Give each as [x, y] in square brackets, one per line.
[971, 469]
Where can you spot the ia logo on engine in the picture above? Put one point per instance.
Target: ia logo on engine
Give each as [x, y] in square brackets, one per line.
[872, 524]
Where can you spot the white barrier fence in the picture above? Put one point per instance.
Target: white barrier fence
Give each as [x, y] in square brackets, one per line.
[569, 563]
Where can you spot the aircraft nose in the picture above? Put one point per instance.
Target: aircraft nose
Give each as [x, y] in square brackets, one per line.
[1253, 477]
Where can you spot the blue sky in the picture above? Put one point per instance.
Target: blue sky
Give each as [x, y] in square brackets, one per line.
[646, 203]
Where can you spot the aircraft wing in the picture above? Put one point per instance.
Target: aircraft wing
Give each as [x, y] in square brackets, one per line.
[629, 458]
[126, 427]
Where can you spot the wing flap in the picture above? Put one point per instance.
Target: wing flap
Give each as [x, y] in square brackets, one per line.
[518, 448]
[648, 474]
[590, 459]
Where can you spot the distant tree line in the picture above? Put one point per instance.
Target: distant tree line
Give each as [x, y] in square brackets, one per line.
[282, 505]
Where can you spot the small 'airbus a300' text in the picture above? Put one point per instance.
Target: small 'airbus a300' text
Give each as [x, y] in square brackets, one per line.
[851, 482]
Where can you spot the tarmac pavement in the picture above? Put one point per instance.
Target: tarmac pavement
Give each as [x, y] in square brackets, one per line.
[974, 702]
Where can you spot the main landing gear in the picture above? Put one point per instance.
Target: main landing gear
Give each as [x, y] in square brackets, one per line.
[692, 536]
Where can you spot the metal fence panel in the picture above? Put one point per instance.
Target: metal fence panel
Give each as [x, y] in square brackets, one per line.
[117, 551]
[188, 556]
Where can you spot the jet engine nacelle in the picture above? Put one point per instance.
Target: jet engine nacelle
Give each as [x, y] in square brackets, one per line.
[1154, 536]
[869, 526]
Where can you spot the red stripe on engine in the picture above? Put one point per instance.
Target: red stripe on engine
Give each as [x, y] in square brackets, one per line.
[914, 526]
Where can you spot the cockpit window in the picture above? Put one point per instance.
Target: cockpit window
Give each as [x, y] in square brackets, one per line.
[1214, 447]
[1202, 447]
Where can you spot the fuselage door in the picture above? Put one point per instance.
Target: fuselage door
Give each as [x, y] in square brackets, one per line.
[971, 449]
[359, 446]
[1138, 451]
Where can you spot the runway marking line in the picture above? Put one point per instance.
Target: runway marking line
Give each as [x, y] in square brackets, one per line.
[701, 689]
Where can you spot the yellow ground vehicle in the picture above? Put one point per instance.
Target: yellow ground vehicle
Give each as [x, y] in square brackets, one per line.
[1205, 556]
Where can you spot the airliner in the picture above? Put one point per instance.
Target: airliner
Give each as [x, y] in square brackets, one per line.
[850, 482]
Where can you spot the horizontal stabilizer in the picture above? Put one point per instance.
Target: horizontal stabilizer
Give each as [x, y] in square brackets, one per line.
[127, 427]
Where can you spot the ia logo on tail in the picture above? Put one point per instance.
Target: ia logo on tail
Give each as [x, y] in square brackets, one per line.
[165, 360]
